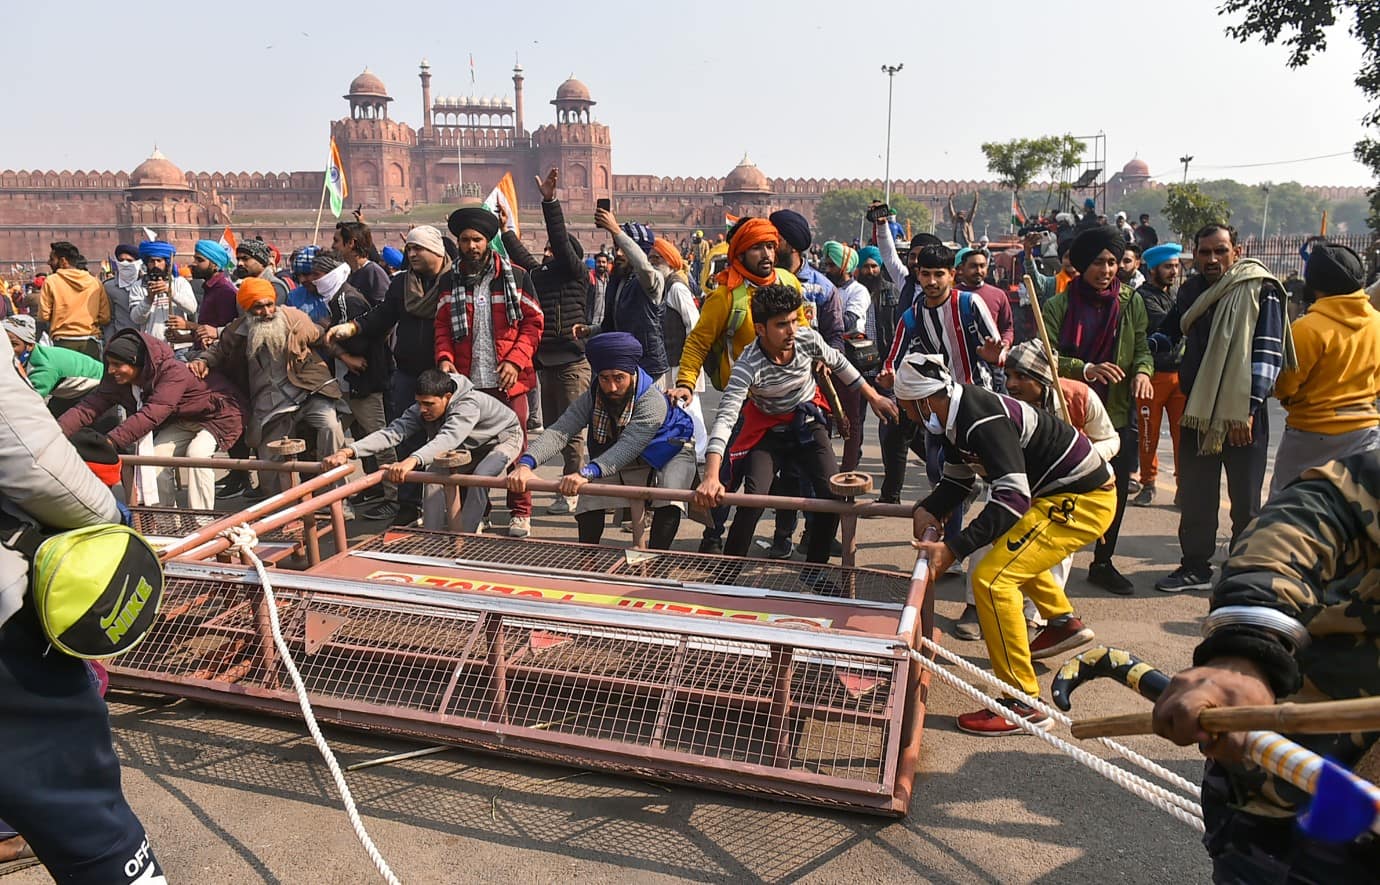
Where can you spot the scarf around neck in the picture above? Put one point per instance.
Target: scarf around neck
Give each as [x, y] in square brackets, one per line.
[458, 296]
[1090, 327]
[419, 299]
[604, 426]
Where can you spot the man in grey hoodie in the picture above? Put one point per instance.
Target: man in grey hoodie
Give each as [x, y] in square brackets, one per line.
[451, 414]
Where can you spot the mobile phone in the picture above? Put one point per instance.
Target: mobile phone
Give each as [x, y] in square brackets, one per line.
[878, 213]
[604, 203]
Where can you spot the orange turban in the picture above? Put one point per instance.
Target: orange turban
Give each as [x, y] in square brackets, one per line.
[669, 253]
[751, 232]
[254, 290]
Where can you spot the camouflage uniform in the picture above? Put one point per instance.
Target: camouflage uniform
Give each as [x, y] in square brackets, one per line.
[1313, 554]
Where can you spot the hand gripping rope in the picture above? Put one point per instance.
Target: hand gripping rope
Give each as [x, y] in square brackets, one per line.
[243, 541]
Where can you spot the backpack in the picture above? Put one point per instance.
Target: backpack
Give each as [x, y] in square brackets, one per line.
[966, 315]
[714, 359]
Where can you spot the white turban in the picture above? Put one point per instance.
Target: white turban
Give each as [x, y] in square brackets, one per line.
[922, 375]
[428, 237]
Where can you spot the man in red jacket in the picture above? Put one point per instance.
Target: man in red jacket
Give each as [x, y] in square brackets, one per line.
[488, 328]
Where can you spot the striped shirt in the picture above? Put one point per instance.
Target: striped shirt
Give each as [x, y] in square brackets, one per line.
[776, 389]
[1022, 452]
[939, 330]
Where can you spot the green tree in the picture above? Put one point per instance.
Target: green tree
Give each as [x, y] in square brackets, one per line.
[840, 212]
[1018, 161]
[1302, 27]
[1187, 209]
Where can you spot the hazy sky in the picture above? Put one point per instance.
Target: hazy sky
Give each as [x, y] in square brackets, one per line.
[686, 87]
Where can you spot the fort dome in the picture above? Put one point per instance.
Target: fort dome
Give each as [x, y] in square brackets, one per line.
[746, 178]
[1137, 168]
[573, 90]
[158, 172]
[367, 83]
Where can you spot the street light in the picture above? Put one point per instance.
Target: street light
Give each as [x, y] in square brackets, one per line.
[890, 71]
[1266, 214]
[1186, 159]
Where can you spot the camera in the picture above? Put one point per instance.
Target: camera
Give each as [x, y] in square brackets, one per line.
[878, 213]
[155, 274]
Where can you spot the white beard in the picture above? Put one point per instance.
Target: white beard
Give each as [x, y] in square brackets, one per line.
[270, 335]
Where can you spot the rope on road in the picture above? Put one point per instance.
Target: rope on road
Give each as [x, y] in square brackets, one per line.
[1172, 804]
[243, 540]
[1059, 716]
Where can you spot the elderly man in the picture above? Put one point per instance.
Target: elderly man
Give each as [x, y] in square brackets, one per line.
[171, 412]
[1230, 318]
[1052, 493]
[254, 260]
[636, 297]
[269, 353]
[73, 303]
[1099, 324]
[451, 415]
[1161, 263]
[821, 296]
[636, 437]
[488, 328]
[127, 269]
[162, 295]
[61, 376]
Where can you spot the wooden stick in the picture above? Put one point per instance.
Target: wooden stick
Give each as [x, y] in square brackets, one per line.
[1049, 351]
[1326, 717]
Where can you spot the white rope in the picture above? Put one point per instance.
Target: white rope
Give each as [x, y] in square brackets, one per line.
[1059, 716]
[243, 540]
[1132, 783]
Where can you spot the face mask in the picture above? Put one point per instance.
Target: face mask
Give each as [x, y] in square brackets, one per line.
[126, 272]
[934, 425]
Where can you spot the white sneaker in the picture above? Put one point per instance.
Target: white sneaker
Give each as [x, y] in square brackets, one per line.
[562, 505]
[519, 527]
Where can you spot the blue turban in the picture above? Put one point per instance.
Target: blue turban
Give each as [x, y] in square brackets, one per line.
[870, 253]
[613, 351]
[793, 227]
[392, 257]
[301, 262]
[1157, 255]
[126, 249]
[156, 249]
[640, 234]
[214, 252]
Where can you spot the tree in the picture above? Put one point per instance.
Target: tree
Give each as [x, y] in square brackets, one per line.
[840, 212]
[1018, 161]
[1302, 27]
[1187, 209]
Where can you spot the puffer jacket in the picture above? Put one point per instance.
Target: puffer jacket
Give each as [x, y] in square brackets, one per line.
[562, 287]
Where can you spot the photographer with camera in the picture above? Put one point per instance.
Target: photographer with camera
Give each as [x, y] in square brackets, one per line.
[162, 303]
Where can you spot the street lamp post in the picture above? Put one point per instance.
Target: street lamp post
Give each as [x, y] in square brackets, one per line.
[1265, 215]
[890, 71]
[1186, 159]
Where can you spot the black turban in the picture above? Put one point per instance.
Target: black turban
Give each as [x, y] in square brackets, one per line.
[793, 227]
[473, 217]
[1333, 269]
[920, 241]
[1090, 244]
[126, 349]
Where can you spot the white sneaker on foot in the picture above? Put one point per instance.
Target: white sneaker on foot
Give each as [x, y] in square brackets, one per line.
[519, 527]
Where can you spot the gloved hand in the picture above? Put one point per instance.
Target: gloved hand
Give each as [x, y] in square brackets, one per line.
[126, 517]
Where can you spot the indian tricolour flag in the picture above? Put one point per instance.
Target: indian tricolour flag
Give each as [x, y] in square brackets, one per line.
[335, 181]
[504, 194]
[1017, 216]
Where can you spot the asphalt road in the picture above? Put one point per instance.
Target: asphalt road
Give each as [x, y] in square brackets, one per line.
[229, 797]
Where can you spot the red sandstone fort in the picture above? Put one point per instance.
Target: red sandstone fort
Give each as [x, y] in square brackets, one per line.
[465, 144]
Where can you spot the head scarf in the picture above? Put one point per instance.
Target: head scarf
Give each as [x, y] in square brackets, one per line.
[214, 252]
[473, 216]
[870, 253]
[126, 349]
[1333, 269]
[842, 256]
[156, 249]
[301, 262]
[1091, 243]
[392, 258]
[793, 227]
[1028, 358]
[922, 375]
[126, 249]
[669, 253]
[21, 326]
[325, 262]
[610, 351]
[640, 234]
[747, 233]
[428, 238]
[99, 453]
[332, 278]
[256, 249]
[253, 290]
[1157, 255]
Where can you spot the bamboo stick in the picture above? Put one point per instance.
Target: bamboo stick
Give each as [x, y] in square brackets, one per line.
[1326, 717]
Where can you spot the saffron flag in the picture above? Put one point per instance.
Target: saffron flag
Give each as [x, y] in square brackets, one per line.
[227, 239]
[335, 181]
[504, 194]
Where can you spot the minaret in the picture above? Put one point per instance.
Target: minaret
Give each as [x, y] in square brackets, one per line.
[517, 100]
[426, 97]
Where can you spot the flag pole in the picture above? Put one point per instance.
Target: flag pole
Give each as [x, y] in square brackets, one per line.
[321, 207]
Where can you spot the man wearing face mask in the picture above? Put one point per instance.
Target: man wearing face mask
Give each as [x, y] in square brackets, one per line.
[128, 268]
[1052, 493]
[162, 295]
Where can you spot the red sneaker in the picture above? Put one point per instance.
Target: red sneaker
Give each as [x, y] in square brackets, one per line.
[1059, 635]
[985, 723]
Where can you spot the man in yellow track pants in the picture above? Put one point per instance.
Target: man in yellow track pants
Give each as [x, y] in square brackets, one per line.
[1031, 529]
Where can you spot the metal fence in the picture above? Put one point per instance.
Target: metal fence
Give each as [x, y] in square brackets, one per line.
[1282, 255]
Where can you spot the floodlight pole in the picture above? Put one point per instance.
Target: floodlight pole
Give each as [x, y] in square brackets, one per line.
[890, 71]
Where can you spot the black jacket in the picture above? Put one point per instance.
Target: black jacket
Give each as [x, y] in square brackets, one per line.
[375, 377]
[561, 285]
[1158, 304]
[415, 347]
